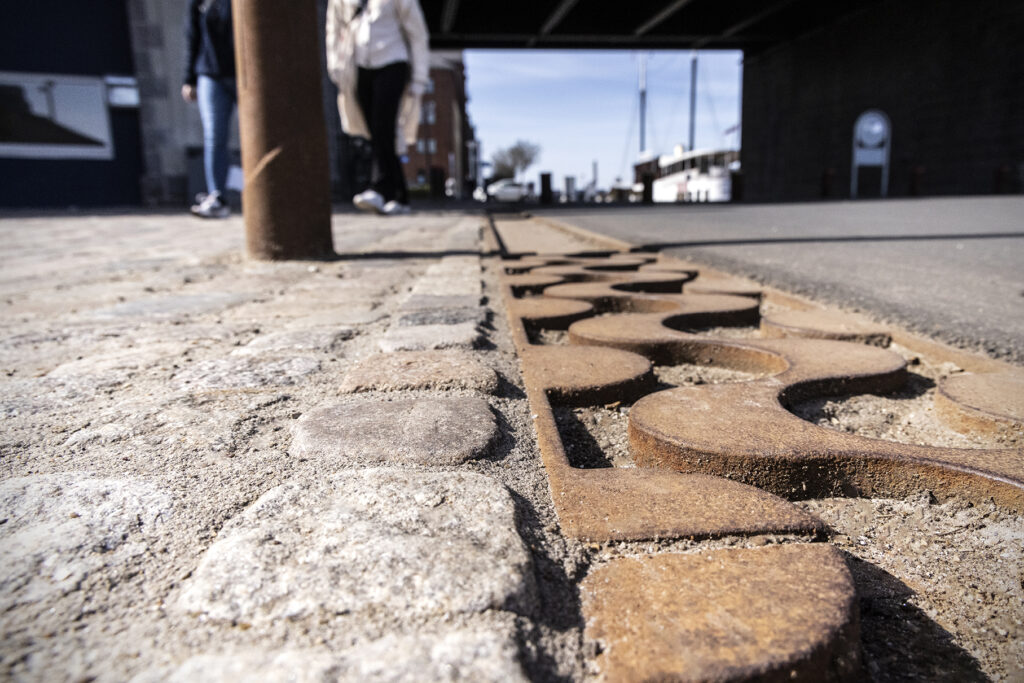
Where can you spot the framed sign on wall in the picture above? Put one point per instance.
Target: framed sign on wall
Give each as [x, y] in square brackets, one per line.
[52, 116]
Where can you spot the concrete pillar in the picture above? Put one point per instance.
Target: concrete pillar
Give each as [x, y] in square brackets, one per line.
[287, 199]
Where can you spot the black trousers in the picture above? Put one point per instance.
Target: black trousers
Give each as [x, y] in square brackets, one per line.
[379, 92]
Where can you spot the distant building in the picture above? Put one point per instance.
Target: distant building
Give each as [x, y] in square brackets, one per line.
[445, 150]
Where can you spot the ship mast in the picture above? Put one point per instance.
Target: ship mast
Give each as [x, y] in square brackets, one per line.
[643, 103]
[693, 98]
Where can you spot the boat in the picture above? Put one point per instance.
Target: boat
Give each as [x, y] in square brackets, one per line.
[702, 175]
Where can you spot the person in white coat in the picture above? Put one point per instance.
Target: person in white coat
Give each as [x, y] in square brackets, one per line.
[378, 56]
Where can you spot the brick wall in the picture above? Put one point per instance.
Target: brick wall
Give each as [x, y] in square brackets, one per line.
[450, 129]
[949, 75]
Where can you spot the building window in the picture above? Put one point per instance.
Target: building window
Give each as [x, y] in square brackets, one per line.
[429, 113]
[432, 145]
[430, 86]
[420, 146]
[421, 177]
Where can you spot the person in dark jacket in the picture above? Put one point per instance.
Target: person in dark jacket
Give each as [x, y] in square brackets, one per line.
[210, 79]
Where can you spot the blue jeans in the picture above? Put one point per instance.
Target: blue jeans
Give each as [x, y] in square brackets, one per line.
[217, 98]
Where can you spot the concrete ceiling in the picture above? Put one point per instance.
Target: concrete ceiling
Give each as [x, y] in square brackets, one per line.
[627, 24]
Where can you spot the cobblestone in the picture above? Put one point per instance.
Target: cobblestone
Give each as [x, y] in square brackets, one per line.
[413, 544]
[421, 302]
[455, 655]
[244, 373]
[412, 370]
[296, 341]
[443, 316]
[59, 528]
[448, 285]
[445, 431]
[172, 307]
[427, 337]
[348, 314]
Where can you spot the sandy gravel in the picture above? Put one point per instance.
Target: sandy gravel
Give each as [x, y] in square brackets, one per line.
[906, 416]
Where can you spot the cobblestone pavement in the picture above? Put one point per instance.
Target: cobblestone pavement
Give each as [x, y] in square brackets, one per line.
[214, 469]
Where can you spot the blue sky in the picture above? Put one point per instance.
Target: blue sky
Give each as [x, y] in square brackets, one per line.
[582, 105]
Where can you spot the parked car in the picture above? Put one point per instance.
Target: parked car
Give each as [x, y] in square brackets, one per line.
[506, 190]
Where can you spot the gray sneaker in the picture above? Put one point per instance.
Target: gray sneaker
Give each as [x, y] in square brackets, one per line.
[394, 208]
[369, 200]
[212, 206]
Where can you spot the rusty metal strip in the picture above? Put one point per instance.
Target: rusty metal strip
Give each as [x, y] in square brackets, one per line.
[783, 612]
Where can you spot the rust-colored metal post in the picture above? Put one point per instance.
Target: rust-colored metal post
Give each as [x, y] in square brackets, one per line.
[287, 196]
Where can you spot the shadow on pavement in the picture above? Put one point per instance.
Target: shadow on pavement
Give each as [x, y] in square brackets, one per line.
[899, 642]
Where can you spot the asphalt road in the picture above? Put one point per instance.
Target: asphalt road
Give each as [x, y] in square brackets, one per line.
[951, 268]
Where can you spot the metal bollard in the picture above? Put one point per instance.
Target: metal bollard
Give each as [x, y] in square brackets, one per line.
[286, 201]
[546, 196]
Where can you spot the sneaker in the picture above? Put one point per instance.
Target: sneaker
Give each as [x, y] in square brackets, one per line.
[212, 206]
[394, 208]
[369, 201]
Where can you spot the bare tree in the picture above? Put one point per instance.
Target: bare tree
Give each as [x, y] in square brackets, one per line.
[511, 161]
[503, 166]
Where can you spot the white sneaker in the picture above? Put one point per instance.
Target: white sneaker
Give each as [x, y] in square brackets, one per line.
[394, 208]
[370, 200]
[211, 206]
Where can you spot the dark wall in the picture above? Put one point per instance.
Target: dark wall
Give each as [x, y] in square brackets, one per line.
[79, 39]
[950, 75]
[57, 36]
